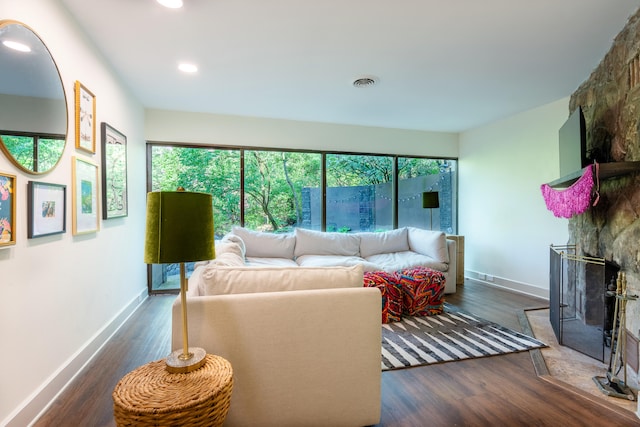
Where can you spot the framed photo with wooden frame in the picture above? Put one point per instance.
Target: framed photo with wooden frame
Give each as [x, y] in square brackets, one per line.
[85, 216]
[85, 119]
[114, 173]
[7, 210]
[46, 209]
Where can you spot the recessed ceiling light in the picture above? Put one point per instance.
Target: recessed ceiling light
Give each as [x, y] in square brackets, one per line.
[171, 4]
[187, 68]
[16, 46]
[365, 81]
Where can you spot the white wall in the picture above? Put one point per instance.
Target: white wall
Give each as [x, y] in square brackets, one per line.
[502, 214]
[63, 295]
[198, 128]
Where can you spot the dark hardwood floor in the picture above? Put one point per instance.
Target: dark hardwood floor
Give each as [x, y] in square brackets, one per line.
[493, 391]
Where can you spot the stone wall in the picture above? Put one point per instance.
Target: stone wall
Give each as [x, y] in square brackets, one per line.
[610, 99]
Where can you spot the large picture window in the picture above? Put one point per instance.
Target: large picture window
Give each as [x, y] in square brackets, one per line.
[417, 176]
[281, 190]
[276, 191]
[359, 193]
[207, 170]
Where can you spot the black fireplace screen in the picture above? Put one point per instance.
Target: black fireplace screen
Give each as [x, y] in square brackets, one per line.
[580, 311]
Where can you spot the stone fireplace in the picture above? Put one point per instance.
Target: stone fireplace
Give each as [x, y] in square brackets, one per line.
[610, 100]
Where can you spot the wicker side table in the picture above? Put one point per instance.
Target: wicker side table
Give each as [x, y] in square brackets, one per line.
[151, 396]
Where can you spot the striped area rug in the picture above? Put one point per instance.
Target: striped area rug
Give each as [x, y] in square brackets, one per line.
[453, 335]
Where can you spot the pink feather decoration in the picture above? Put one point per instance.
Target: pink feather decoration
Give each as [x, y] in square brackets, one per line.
[573, 200]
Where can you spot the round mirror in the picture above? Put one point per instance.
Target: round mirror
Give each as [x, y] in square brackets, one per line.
[33, 123]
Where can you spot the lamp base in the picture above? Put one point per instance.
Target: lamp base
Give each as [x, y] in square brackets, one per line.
[179, 363]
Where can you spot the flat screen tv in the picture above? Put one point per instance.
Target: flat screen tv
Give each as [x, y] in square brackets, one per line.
[573, 144]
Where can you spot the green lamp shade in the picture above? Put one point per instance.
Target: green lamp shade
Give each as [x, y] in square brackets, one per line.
[430, 200]
[179, 227]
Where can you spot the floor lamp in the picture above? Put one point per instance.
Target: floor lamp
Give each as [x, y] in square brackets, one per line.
[430, 201]
[179, 229]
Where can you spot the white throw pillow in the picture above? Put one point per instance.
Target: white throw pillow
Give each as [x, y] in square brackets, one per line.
[430, 243]
[261, 245]
[228, 259]
[384, 242]
[223, 247]
[232, 238]
[233, 280]
[310, 242]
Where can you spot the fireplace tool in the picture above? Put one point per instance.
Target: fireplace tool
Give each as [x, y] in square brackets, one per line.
[610, 384]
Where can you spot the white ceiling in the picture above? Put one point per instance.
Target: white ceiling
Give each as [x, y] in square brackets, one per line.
[443, 65]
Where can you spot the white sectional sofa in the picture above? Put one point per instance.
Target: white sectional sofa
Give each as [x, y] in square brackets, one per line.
[291, 314]
[389, 251]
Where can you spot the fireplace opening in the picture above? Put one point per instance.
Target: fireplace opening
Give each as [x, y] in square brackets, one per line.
[581, 310]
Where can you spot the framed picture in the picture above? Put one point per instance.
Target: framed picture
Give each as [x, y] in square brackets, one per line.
[85, 119]
[114, 172]
[46, 209]
[7, 209]
[85, 197]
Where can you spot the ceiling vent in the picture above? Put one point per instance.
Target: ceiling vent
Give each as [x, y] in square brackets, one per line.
[365, 81]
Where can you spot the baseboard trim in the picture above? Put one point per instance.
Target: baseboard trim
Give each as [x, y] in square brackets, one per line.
[511, 285]
[36, 404]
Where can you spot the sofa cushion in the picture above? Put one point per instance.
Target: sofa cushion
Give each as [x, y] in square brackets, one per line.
[229, 259]
[334, 261]
[259, 244]
[226, 253]
[231, 238]
[422, 291]
[273, 262]
[220, 280]
[383, 242]
[226, 246]
[402, 260]
[428, 242]
[391, 291]
[310, 242]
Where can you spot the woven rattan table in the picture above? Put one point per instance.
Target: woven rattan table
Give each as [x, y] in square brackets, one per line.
[151, 396]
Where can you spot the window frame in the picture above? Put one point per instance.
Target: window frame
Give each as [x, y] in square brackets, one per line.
[323, 153]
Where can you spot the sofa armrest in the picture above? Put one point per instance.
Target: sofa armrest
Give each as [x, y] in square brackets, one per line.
[193, 290]
[299, 357]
